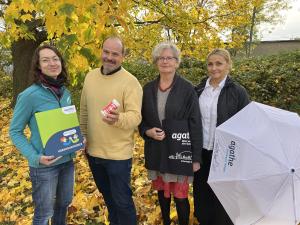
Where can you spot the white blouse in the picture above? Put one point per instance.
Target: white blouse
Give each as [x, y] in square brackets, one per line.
[208, 102]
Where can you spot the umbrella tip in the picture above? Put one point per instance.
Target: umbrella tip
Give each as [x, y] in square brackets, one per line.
[292, 170]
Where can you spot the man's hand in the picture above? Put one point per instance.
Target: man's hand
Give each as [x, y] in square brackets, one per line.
[156, 133]
[48, 160]
[111, 118]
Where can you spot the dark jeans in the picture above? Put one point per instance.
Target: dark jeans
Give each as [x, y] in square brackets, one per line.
[52, 192]
[112, 178]
[207, 208]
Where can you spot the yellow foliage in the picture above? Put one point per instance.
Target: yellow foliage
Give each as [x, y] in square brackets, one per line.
[27, 5]
[26, 17]
[195, 26]
[79, 62]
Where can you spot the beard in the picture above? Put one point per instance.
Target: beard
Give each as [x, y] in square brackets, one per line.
[109, 66]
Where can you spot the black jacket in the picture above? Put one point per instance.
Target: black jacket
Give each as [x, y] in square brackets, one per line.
[233, 98]
[182, 104]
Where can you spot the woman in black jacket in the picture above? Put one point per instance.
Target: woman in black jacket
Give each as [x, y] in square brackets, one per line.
[219, 99]
[169, 101]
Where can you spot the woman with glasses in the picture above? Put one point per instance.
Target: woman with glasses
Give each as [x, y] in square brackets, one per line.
[171, 100]
[52, 178]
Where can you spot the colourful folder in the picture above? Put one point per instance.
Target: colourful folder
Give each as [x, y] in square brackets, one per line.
[59, 131]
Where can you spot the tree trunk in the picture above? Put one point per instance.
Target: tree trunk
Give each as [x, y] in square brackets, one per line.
[251, 32]
[22, 51]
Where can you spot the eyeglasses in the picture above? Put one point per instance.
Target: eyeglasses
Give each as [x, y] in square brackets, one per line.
[167, 59]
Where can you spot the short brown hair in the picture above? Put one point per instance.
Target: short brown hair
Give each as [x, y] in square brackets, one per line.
[117, 38]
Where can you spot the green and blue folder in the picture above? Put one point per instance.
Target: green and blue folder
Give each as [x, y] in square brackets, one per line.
[59, 131]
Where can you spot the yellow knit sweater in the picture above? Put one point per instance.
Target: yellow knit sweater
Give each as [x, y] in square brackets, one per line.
[110, 141]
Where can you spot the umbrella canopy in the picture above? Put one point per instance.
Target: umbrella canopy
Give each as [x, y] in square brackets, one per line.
[255, 170]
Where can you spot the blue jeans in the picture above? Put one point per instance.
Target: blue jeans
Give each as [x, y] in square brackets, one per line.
[52, 192]
[112, 178]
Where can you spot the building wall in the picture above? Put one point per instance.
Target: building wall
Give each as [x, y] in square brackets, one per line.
[275, 47]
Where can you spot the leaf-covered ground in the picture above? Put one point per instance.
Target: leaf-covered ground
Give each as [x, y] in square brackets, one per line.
[87, 206]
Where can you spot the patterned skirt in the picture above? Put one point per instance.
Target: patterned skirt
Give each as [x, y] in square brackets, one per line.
[178, 189]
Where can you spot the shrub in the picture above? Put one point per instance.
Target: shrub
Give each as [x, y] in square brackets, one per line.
[272, 80]
[142, 70]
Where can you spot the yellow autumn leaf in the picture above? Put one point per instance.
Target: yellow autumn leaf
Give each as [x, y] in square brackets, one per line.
[27, 5]
[79, 62]
[26, 17]
[173, 214]
[92, 202]
[139, 181]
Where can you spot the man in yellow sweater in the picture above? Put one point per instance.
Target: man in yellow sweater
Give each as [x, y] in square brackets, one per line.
[110, 137]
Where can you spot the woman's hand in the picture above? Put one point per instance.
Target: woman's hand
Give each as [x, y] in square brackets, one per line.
[48, 160]
[156, 133]
[196, 166]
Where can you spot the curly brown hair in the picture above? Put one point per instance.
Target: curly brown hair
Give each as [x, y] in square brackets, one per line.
[35, 71]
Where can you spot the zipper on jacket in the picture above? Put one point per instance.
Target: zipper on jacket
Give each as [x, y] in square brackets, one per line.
[53, 93]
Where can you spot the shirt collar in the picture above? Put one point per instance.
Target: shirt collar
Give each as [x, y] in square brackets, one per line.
[221, 84]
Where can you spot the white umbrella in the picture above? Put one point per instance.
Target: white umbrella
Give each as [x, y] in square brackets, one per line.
[255, 170]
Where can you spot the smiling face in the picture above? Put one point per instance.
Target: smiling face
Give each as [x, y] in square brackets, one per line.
[217, 67]
[112, 55]
[49, 63]
[167, 62]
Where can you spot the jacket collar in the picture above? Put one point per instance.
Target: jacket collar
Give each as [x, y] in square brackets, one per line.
[221, 84]
[200, 87]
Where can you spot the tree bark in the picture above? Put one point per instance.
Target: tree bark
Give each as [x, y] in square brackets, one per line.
[22, 51]
[251, 32]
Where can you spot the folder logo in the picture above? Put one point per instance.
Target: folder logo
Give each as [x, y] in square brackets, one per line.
[69, 137]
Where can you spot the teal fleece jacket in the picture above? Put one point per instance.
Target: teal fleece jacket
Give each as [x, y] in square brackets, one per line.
[36, 98]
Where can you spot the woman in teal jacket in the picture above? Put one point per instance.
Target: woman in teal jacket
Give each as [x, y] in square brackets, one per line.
[52, 178]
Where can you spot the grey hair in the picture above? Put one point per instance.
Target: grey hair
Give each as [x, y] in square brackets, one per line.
[221, 52]
[161, 47]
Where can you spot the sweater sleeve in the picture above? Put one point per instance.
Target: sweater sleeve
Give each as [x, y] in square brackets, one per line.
[130, 118]
[83, 113]
[22, 114]
[195, 126]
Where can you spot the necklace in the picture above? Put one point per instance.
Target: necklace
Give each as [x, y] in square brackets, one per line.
[165, 89]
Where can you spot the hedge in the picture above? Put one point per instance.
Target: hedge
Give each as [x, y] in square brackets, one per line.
[272, 80]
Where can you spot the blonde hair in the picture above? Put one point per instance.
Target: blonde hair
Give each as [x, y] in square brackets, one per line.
[162, 46]
[221, 52]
